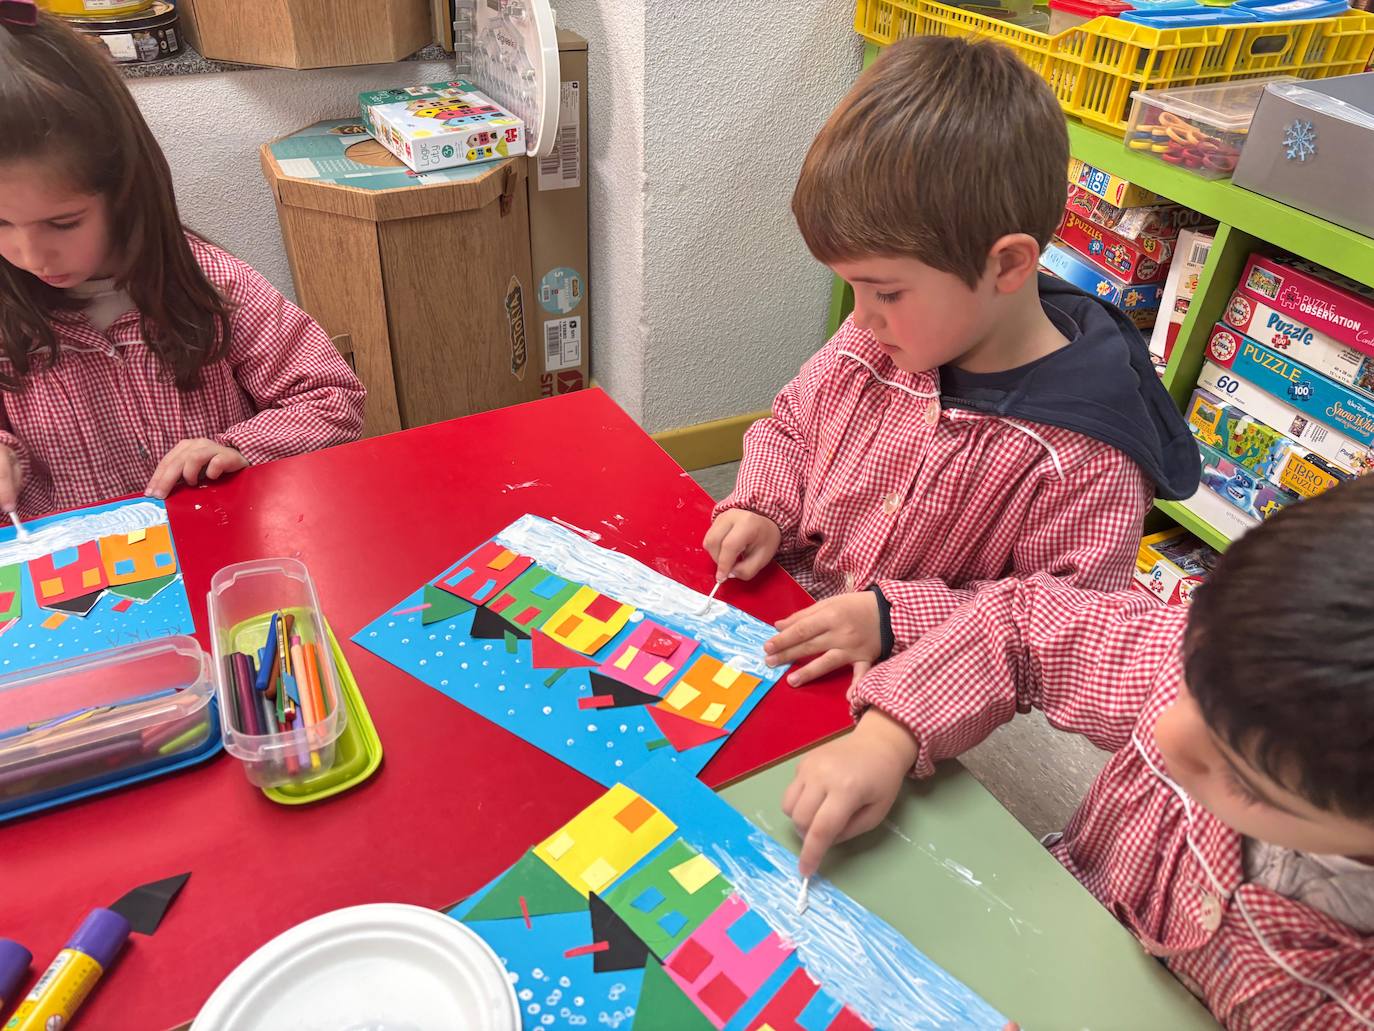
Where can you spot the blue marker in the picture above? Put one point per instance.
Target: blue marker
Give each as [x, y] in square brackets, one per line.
[268, 656]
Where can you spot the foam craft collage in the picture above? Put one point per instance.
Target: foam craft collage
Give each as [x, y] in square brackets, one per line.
[583, 652]
[88, 580]
[661, 907]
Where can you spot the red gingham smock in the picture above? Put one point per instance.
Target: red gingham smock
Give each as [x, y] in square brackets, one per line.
[872, 482]
[1106, 666]
[94, 424]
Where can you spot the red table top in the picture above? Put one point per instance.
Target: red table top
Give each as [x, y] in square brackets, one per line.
[457, 798]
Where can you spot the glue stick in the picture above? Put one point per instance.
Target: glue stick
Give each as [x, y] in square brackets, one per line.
[64, 986]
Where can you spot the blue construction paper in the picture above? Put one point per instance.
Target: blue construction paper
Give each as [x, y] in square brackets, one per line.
[857, 959]
[749, 931]
[27, 643]
[537, 704]
[648, 900]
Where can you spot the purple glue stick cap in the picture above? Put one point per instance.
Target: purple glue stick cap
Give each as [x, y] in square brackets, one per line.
[101, 936]
[14, 964]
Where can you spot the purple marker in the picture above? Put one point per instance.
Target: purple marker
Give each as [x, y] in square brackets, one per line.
[14, 964]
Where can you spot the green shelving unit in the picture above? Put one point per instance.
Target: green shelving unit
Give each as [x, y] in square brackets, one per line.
[1247, 222]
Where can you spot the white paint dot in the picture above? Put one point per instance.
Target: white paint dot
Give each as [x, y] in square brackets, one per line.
[526, 995]
[591, 728]
[546, 710]
[570, 742]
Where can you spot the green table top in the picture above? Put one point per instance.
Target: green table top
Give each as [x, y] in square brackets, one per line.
[972, 889]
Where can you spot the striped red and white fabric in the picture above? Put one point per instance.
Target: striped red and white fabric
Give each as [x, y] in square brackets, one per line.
[1105, 666]
[872, 481]
[94, 424]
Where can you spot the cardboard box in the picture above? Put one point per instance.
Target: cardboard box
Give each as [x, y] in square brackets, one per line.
[1143, 260]
[1220, 515]
[1162, 221]
[1320, 398]
[1172, 564]
[1185, 272]
[1238, 486]
[1341, 451]
[1311, 146]
[1111, 188]
[441, 125]
[1141, 303]
[1330, 304]
[559, 253]
[1262, 449]
[307, 33]
[427, 274]
[1319, 352]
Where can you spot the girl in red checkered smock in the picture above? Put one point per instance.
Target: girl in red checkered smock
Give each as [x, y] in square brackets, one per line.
[133, 355]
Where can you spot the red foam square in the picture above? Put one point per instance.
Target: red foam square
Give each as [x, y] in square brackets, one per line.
[689, 960]
[123, 605]
[603, 608]
[662, 644]
[722, 996]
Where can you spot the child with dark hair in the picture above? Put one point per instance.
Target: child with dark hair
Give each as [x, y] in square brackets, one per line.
[1233, 829]
[133, 354]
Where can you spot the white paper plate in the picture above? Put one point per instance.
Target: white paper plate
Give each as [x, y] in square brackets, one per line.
[385, 967]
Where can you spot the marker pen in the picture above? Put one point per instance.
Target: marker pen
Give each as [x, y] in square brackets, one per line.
[14, 964]
[64, 986]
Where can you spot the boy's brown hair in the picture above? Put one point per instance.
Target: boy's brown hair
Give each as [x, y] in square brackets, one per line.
[942, 147]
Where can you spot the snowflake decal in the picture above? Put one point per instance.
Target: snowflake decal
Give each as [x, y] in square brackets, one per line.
[1300, 141]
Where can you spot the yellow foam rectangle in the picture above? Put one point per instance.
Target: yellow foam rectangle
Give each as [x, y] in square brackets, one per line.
[599, 874]
[50, 586]
[137, 535]
[54, 621]
[502, 560]
[712, 712]
[695, 874]
[682, 695]
[90, 578]
[626, 657]
[559, 846]
[658, 674]
[725, 676]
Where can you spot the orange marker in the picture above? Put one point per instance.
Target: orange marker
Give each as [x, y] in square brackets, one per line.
[312, 660]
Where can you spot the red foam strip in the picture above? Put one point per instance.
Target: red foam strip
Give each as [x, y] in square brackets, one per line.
[585, 950]
[525, 912]
[596, 701]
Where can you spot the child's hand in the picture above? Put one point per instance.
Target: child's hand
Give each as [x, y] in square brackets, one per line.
[742, 543]
[847, 786]
[11, 479]
[842, 630]
[188, 460]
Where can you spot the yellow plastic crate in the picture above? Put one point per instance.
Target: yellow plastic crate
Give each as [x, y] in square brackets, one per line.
[1093, 67]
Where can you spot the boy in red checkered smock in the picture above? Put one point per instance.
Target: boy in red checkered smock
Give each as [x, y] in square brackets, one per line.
[133, 354]
[971, 420]
[1232, 829]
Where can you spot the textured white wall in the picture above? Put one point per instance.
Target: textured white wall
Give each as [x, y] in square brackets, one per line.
[731, 93]
[211, 126]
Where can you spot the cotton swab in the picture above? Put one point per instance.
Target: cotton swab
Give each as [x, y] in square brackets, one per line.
[714, 589]
[804, 896]
[20, 530]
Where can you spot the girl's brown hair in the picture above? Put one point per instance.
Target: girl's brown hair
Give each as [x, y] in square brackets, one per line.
[63, 103]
